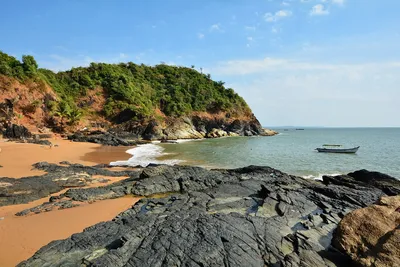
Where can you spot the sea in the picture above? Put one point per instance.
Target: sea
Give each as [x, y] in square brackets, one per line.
[291, 151]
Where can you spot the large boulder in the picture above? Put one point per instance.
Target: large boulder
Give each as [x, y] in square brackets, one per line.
[371, 236]
[15, 131]
[215, 133]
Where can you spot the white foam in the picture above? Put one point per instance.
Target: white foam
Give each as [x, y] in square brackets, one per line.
[319, 176]
[143, 155]
[187, 140]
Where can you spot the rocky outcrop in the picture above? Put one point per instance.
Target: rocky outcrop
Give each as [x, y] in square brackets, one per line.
[371, 236]
[26, 189]
[195, 127]
[99, 137]
[253, 216]
[14, 131]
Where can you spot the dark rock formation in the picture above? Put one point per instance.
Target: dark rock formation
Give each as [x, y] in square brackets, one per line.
[98, 137]
[48, 206]
[190, 127]
[24, 190]
[14, 131]
[253, 216]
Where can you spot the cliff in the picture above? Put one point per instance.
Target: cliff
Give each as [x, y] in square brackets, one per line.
[149, 102]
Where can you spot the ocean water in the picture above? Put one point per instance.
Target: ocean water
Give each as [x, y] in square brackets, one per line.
[291, 151]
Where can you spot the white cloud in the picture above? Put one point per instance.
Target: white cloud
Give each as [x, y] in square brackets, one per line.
[200, 36]
[250, 38]
[122, 55]
[303, 92]
[269, 17]
[253, 66]
[338, 2]
[216, 28]
[319, 10]
[285, 4]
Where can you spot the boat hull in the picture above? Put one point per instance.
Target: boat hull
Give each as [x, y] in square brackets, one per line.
[338, 150]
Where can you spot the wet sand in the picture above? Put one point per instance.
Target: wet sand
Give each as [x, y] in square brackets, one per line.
[21, 237]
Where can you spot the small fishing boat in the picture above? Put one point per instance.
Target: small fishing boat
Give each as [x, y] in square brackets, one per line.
[336, 149]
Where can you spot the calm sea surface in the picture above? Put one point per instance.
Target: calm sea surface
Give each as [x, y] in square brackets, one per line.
[291, 151]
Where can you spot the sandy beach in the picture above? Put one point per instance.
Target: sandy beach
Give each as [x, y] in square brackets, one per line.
[17, 158]
[21, 237]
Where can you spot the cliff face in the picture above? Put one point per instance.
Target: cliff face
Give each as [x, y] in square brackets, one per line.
[195, 126]
[160, 102]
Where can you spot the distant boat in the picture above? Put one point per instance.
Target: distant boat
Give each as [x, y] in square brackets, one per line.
[299, 129]
[334, 149]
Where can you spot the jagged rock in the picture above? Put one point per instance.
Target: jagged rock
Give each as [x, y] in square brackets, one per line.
[15, 131]
[48, 206]
[104, 138]
[39, 142]
[253, 216]
[27, 189]
[371, 235]
[214, 133]
[190, 127]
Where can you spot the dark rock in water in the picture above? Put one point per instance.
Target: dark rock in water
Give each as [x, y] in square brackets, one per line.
[253, 216]
[15, 131]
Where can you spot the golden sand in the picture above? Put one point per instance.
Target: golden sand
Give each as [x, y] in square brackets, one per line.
[21, 237]
[17, 158]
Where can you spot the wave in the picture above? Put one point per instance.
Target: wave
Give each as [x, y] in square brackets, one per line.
[143, 155]
[319, 176]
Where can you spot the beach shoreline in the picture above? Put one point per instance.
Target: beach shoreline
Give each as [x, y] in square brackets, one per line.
[22, 236]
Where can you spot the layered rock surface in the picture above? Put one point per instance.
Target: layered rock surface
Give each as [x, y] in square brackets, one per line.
[253, 216]
[26, 189]
[195, 127]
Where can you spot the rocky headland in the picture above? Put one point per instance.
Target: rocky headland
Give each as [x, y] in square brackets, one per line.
[252, 216]
[119, 104]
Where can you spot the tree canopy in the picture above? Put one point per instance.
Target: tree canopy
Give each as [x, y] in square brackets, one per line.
[174, 90]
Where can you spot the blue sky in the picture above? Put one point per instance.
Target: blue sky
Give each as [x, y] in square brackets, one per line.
[296, 62]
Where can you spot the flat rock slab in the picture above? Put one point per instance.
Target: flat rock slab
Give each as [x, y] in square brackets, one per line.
[253, 216]
[27, 189]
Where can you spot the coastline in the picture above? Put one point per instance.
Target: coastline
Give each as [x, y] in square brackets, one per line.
[16, 159]
[22, 236]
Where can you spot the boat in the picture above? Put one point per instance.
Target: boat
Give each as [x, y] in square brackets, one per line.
[337, 149]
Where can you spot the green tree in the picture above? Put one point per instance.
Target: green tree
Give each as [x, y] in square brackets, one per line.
[29, 65]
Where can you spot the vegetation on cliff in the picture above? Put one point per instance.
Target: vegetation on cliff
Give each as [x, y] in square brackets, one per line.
[142, 90]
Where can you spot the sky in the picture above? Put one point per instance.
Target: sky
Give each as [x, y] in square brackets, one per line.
[296, 62]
